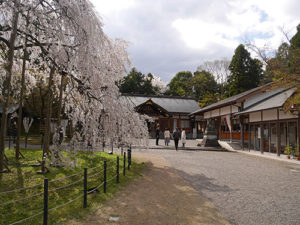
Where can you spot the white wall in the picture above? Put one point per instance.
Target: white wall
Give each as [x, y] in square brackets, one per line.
[225, 110]
[255, 117]
[270, 114]
[215, 113]
[284, 115]
[234, 109]
[207, 115]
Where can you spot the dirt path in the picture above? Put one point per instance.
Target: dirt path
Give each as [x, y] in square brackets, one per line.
[159, 197]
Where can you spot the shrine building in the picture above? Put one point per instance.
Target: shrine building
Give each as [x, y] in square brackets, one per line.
[254, 118]
[168, 112]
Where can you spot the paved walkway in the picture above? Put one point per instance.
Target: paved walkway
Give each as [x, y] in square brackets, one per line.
[191, 145]
[159, 197]
[247, 190]
[237, 148]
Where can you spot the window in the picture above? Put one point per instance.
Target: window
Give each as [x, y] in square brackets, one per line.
[185, 123]
[236, 125]
[283, 136]
[273, 138]
[246, 124]
[292, 133]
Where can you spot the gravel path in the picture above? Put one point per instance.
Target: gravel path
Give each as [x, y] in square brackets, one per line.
[159, 197]
[246, 189]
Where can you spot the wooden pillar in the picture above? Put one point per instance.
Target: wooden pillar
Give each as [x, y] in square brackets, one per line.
[242, 132]
[261, 133]
[249, 138]
[298, 130]
[269, 136]
[278, 138]
[230, 124]
[230, 129]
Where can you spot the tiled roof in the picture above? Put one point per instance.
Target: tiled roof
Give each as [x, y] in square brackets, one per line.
[275, 101]
[170, 104]
[229, 100]
[261, 97]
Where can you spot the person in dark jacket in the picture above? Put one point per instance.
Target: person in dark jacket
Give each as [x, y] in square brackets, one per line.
[176, 136]
[157, 135]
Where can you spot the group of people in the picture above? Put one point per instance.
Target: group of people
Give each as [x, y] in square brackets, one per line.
[175, 136]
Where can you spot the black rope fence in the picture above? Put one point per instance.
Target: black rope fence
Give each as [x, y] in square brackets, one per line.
[21, 189]
[20, 200]
[114, 167]
[64, 178]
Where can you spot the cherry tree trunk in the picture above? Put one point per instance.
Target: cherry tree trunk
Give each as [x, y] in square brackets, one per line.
[48, 113]
[7, 83]
[61, 92]
[21, 100]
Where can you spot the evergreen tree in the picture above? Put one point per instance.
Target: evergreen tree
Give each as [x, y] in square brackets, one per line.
[286, 69]
[180, 85]
[138, 83]
[245, 72]
[205, 88]
[295, 40]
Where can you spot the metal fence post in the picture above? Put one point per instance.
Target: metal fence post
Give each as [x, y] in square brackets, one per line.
[118, 163]
[129, 158]
[124, 163]
[85, 188]
[42, 140]
[104, 177]
[45, 201]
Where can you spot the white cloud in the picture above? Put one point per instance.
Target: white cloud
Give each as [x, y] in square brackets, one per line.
[199, 34]
[167, 36]
[107, 8]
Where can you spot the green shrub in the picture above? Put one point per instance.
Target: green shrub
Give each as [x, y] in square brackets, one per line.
[288, 150]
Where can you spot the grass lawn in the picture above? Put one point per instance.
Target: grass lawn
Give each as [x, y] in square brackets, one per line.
[24, 175]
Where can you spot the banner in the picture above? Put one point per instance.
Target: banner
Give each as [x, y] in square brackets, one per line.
[228, 122]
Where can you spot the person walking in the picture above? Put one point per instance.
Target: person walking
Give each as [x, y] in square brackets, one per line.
[183, 137]
[167, 137]
[176, 136]
[157, 134]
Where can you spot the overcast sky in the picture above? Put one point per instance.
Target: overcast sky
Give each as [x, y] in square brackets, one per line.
[168, 36]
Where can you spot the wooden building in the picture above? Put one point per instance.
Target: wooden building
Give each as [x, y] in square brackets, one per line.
[256, 119]
[168, 112]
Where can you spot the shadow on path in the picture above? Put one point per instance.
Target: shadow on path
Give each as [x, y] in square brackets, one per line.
[202, 183]
[160, 197]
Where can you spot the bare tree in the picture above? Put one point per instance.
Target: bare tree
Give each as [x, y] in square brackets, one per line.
[218, 68]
